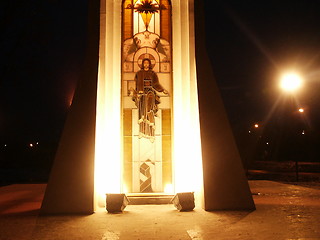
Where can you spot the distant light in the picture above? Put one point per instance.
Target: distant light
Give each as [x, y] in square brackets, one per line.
[301, 110]
[303, 132]
[290, 82]
[37, 143]
[5, 145]
[249, 131]
[256, 125]
[30, 145]
[267, 143]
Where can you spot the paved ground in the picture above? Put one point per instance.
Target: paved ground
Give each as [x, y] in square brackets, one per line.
[284, 211]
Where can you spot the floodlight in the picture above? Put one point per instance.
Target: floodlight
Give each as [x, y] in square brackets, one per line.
[184, 201]
[116, 202]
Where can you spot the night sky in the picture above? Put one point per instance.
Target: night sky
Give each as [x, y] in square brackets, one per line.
[42, 51]
[249, 43]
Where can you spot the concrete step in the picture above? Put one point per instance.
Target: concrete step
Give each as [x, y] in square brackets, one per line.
[142, 199]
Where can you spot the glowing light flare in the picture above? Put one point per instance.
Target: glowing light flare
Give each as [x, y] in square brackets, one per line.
[168, 188]
[107, 157]
[107, 146]
[187, 157]
[188, 161]
[125, 188]
[301, 110]
[290, 82]
[256, 125]
[108, 170]
[188, 174]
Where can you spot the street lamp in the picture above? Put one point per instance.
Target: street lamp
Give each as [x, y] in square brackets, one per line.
[290, 82]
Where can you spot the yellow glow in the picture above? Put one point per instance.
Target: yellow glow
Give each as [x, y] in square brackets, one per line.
[107, 157]
[146, 17]
[168, 188]
[301, 110]
[108, 121]
[256, 125]
[187, 166]
[188, 175]
[290, 82]
[125, 188]
[188, 161]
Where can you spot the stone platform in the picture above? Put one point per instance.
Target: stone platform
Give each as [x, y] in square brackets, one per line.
[149, 198]
[284, 211]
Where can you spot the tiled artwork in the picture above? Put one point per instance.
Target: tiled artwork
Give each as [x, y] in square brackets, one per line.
[146, 92]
